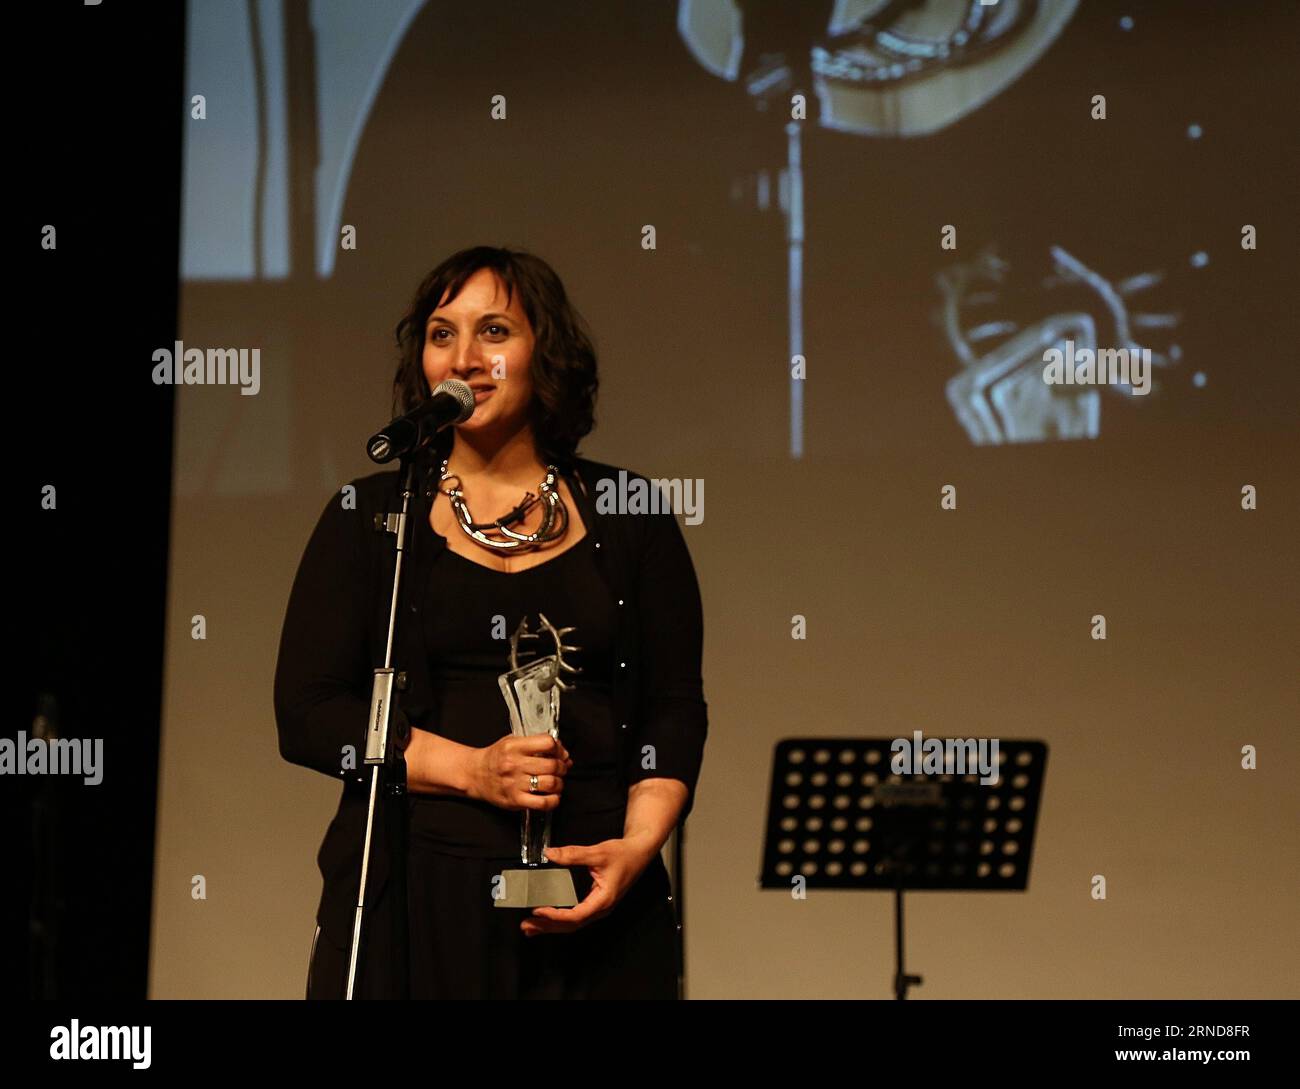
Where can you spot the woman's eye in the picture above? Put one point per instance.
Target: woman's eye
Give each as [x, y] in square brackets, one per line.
[434, 334]
[501, 329]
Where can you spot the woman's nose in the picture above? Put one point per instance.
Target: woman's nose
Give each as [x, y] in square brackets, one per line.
[466, 363]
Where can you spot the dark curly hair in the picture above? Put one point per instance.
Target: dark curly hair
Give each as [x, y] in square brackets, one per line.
[563, 366]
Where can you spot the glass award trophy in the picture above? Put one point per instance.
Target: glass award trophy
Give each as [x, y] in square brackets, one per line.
[532, 695]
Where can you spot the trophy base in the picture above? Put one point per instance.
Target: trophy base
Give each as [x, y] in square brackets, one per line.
[544, 886]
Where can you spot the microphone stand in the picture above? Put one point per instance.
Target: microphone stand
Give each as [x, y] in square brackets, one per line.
[388, 765]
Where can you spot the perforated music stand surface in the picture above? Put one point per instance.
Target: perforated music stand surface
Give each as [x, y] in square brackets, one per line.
[831, 818]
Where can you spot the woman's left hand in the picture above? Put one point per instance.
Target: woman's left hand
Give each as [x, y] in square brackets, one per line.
[615, 864]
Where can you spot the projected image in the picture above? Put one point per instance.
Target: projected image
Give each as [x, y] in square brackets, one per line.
[972, 113]
[1000, 334]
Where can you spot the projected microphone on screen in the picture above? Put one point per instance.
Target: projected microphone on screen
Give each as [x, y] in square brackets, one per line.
[877, 67]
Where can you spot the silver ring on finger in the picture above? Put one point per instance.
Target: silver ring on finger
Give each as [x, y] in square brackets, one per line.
[532, 783]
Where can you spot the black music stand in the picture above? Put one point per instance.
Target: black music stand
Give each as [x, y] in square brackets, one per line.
[839, 817]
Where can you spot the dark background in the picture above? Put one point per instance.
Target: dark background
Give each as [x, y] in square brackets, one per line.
[99, 136]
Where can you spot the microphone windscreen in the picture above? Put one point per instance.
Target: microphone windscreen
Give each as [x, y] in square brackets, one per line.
[461, 391]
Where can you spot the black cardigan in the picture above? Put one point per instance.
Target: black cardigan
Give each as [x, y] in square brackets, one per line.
[335, 629]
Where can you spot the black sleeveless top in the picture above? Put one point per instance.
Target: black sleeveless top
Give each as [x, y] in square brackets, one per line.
[467, 631]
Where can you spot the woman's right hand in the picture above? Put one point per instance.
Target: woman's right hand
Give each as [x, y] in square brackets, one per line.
[499, 773]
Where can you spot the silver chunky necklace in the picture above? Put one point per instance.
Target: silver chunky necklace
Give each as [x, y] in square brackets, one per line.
[555, 515]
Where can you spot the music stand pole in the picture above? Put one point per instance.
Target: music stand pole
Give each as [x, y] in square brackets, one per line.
[901, 980]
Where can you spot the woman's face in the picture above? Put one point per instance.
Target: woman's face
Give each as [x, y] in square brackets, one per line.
[480, 340]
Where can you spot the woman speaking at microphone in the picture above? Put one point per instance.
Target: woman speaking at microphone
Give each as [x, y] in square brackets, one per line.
[631, 725]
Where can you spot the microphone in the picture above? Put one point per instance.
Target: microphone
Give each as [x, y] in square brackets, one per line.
[452, 403]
